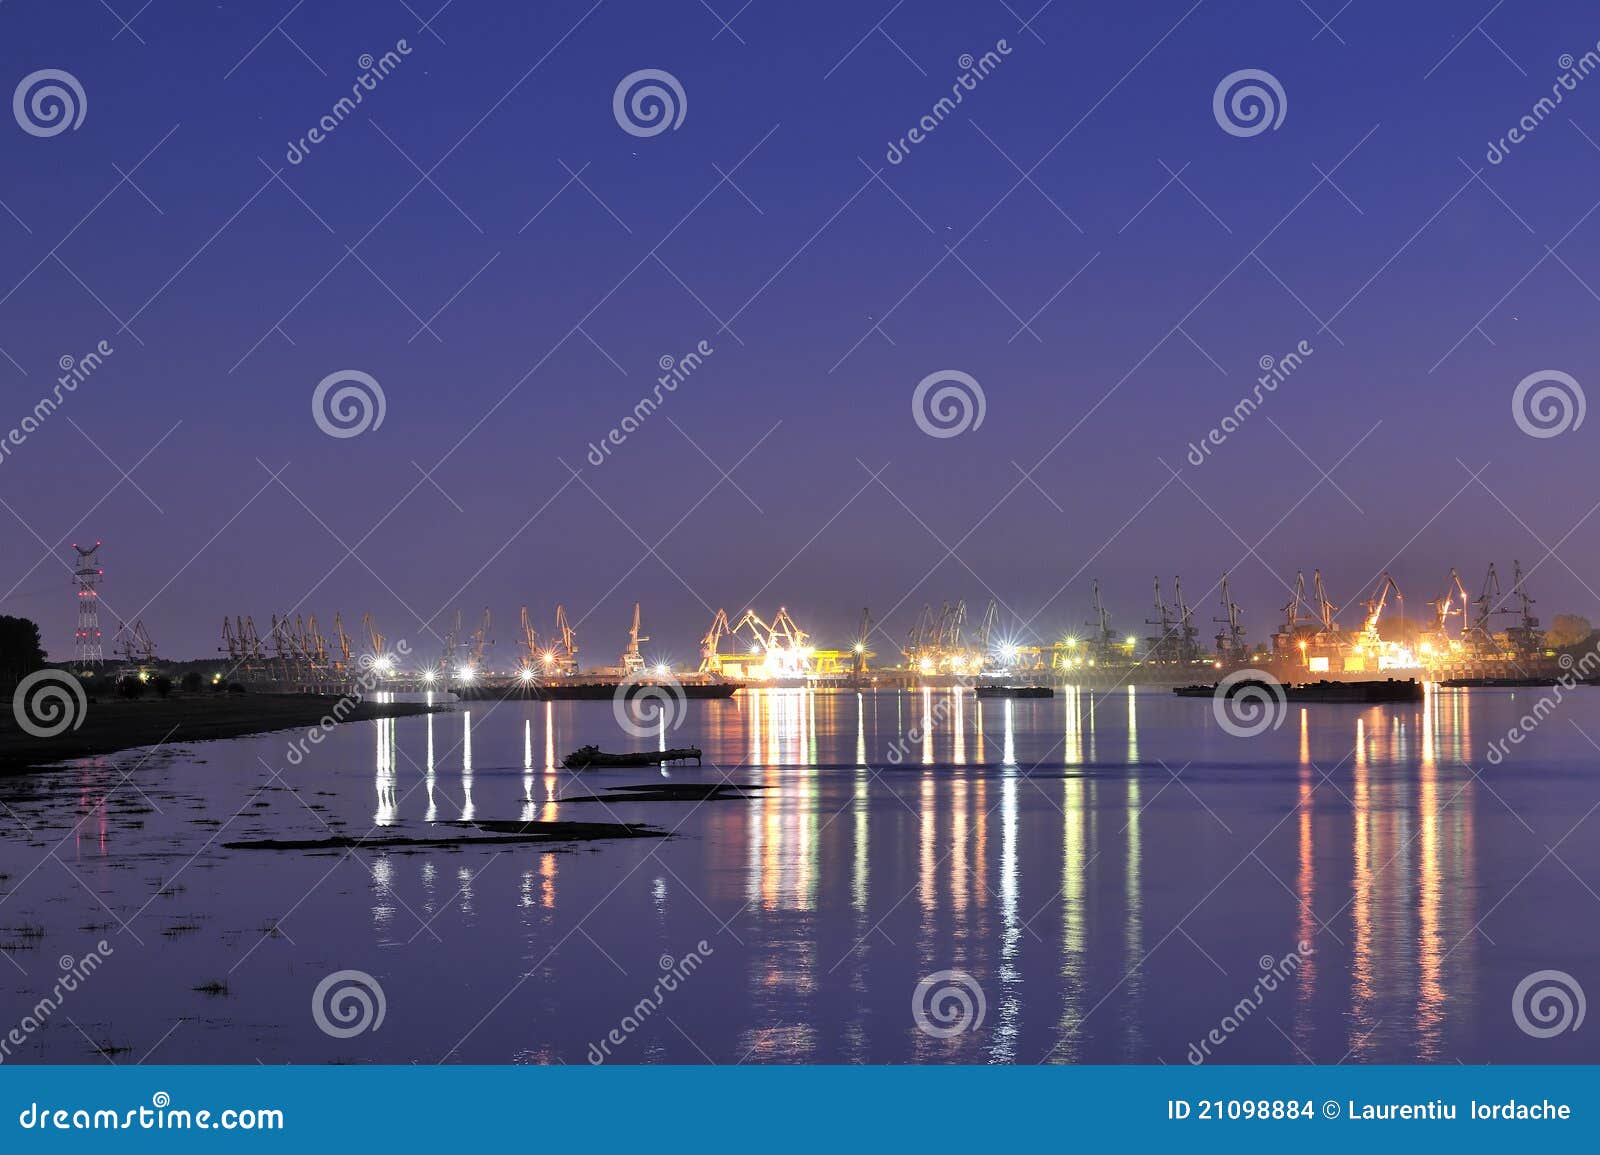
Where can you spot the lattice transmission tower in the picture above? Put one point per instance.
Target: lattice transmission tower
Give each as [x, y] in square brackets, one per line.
[87, 580]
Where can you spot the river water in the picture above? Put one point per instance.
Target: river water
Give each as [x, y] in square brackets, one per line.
[1112, 876]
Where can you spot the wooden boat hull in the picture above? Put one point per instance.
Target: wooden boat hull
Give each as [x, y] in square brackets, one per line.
[1356, 693]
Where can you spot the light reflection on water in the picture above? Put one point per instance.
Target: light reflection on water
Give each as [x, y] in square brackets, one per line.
[1111, 872]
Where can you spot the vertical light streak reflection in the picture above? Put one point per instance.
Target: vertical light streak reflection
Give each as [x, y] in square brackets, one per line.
[386, 813]
[1091, 697]
[1133, 904]
[1074, 937]
[1008, 1019]
[958, 727]
[859, 815]
[1306, 892]
[927, 802]
[430, 777]
[552, 771]
[1072, 738]
[383, 905]
[753, 706]
[1363, 980]
[960, 881]
[1430, 882]
[467, 811]
[926, 726]
[547, 880]
[1133, 728]
[529, 810]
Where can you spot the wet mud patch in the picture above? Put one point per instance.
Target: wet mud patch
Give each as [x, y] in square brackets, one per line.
[671, 792]
[494, 833]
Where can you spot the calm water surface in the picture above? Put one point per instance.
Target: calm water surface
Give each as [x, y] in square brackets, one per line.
[1112, 870]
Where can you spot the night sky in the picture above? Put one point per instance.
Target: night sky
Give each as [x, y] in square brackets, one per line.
[514, 304]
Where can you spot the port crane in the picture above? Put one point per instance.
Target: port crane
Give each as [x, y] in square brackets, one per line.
[1177, 636]
[1446, 607]
[1160, 645]
[1525, 639]
[860, 650]
[772, 650]
[375, 640]
[134, 646]
[1325, 607]
[562, 656]
[530, 646]
[1188, 636]
[1103, 646]
[1488, 603]
[243, 646]
[343, 641]
[1230, 639]
[481, 639]
[632, 661]
[1375, 605]
[986, 628]
[711, 644]
[317, 644]
[1289, 635]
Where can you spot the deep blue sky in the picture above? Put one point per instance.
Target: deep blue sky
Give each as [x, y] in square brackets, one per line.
[515, 91]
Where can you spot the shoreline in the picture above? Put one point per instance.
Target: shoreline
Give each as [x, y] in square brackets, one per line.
[110, 727]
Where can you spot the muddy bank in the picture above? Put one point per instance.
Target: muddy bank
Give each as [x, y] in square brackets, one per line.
[109, 725]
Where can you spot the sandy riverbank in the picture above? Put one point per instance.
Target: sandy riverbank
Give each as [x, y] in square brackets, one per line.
[109, 726]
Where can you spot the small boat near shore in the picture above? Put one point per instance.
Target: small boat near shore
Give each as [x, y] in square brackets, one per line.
[1358, 693]
[1495, 683]
[991, 691]
[592, 757]
[592, 689]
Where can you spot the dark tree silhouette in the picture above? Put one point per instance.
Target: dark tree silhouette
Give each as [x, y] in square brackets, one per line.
[20, 651]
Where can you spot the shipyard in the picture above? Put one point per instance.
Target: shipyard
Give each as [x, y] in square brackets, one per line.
[1487, 639]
